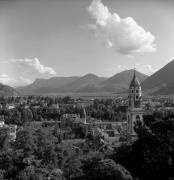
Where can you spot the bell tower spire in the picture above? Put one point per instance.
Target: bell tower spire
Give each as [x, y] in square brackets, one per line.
[134, 92]
[135, 111]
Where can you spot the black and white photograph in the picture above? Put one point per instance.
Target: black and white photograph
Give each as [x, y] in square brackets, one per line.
[86, 89]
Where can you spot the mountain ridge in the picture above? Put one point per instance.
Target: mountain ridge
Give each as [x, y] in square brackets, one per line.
[87, 83]
[6, 90]
[161, 82]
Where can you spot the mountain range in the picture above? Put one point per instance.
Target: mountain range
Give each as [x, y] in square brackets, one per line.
[88, 83]
[159, 83]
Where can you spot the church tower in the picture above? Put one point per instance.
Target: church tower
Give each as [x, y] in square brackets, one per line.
[135, 111]
[84, 115]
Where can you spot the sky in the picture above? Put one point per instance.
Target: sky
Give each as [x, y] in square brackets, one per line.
[46, 38]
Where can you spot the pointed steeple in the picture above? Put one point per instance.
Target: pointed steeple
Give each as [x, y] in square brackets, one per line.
[135, 82]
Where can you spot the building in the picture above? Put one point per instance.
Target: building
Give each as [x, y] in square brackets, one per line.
[126, 116]
[111, 128]
[129, 114]
[135, 111]
[10, 128]
[69, 119]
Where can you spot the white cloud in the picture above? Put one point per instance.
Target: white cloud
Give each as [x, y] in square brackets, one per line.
[124, 35]
[34, 65]
[16, 81]
[24, 71]
[5, 79]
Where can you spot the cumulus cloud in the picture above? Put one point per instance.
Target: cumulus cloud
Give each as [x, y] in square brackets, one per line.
[33, 65]
[5, 79]
[14, 81]
[124, 35]
[23, 71]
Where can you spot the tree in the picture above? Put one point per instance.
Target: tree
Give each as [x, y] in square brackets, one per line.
[95, 167]
[30, 173]
[24, 141]
[72, 168]
[89, 162]
[13, 116]
[40, 141]
[56, 174]
[66, 99]
[79, 131]
[49, 156]
[156, 146]
[151, 156]
[4, 138]
[108, 169]
[26, 115]
[57, 133]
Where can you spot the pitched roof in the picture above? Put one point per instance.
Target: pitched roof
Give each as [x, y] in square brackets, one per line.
[135, 82]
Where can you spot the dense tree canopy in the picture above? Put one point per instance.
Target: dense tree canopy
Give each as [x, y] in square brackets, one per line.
[47, 151]
[151, 156]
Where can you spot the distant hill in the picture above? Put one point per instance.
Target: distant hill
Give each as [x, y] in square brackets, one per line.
[159, 83]
[46, 85]
[7, 90]
[121, 81]
[165, 90]
[162, 81]
[89, 83]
